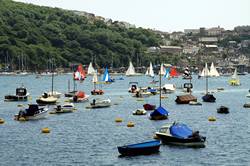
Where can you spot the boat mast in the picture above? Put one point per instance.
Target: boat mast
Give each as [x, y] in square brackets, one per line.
[206, 72]
[160, 86]
[52, 77]
[68, 85]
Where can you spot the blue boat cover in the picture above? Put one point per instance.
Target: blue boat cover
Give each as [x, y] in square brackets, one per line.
[159, 111]
[180, 131]
[151, 90]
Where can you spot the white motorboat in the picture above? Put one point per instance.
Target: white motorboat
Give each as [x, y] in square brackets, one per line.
[65, 108]
[33, 112]
[100, 103]
[168, 88]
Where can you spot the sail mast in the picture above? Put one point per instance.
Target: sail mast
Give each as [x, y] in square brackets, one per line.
[160, 87]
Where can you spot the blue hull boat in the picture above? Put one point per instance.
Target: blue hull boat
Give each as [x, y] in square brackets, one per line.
[140, 148]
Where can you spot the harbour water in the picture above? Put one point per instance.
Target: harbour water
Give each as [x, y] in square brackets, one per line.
[91, 137]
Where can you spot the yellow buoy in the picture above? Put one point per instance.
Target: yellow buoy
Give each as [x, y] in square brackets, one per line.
[130, 124]
[45, 130]
[1, 121]
[163, 97]
[211, 118]
[118, 120]
[22, 119]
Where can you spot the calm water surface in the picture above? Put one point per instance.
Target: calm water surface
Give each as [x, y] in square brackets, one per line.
[91, 137]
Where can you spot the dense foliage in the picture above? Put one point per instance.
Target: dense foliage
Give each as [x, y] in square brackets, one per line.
[38, 34]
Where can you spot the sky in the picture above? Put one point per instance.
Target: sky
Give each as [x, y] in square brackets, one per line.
[164, 15]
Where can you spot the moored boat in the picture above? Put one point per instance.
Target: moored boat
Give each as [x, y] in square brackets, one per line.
[46, 99]
[21, 95]
[180, 134]
[185, 99]
[33, 112]
[65, 108]
[223, 110]
[159, 114]
[149, 107]
[100, 103]
[140, 148]
[139, 112]
[80, 96]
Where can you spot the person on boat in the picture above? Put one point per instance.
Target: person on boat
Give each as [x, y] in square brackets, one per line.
[93, 103]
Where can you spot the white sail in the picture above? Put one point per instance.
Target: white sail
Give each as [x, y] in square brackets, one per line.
[131, 70]
[151, 71]
[147, 73]
[95, 79]
[91, 69]
[235, 80]
[213, 71]
[205, 71]
[162, 70]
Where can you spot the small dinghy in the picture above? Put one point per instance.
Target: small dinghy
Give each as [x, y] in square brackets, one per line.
[79, 97]
[223, 110]
[139, 112]
[140, 148]
[247, 105]
[149, 107]
[100, 103]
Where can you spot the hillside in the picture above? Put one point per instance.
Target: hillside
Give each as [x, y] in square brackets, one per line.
[39, 34]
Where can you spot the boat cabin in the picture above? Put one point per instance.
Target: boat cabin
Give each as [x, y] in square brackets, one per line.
[21, 91]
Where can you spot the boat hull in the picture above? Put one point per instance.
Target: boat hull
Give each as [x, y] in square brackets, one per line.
[141, 149]
[192, 142]
[209, 98]
[15, 98]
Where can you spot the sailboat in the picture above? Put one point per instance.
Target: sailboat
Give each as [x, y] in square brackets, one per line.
[131, 70]
[96, 91]
[160, 113]
[106, 77]
[46, 98]
[150, 71]
[91, 70]
[79, 74]
[235, 80]
[173, 72]
[213, 71]
[204, 73]
[207, 97]
[162, 70]
[187, 74]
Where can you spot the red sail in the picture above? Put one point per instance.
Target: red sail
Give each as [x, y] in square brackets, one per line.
[79, 74]
[173, 72]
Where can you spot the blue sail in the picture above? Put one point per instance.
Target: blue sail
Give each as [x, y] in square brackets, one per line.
[106, 76]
